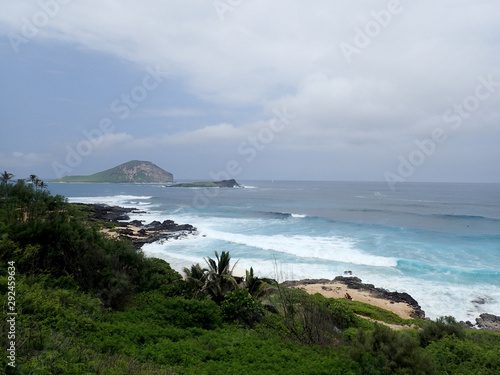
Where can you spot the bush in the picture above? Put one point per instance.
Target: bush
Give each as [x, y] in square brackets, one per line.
[384, 351]
[176, 311]
[477, 353]
[239, 306]
[442, 327]
[311, 319]
[159, 275]
[43, 234]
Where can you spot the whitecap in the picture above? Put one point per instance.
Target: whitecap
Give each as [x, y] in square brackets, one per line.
[113, 200]
[333, 248]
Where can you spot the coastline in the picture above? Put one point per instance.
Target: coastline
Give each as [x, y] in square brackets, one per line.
[135, 231]
[401, 304]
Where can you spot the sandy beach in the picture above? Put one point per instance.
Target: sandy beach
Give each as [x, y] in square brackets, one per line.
[370, 295]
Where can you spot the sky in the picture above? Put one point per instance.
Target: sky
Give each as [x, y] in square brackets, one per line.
[394, 91]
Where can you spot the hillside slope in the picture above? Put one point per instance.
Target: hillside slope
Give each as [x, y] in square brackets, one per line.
[134, 171]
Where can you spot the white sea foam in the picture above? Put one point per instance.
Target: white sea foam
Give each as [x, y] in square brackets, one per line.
[160, 250]
[441, 299]
[293, 246]
[435, 299]
[128, 201]
[336, 249]
[325, 257]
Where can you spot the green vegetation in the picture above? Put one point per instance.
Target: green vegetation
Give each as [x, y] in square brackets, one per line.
[376, 313]
[89, 304]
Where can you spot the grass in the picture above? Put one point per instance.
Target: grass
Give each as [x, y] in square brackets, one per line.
[377, 313]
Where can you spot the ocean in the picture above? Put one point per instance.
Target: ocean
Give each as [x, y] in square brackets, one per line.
[438, 242]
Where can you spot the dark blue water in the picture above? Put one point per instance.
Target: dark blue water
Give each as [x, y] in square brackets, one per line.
[438, 242]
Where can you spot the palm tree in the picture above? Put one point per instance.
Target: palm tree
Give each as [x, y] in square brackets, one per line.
[219, 278]
[255, 286]
[37, 183]
[6, 177]
[195, 278]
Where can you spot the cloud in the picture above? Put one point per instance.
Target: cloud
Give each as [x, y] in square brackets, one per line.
[265, 49]
[221, 133]
[19, 160]
[173, 112]
[213, 135]
[112, 140]
[287, 54]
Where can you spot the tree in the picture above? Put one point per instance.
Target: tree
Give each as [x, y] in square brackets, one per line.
[37, 182]
[219, 279]
[195, 278]
[255, 286]
[6, 177]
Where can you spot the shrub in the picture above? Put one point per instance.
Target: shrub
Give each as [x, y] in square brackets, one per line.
[477, 353]
[158, 274]
[177, 311]
[442, 327]
[241, 307]
[311, 319]
[384, 351]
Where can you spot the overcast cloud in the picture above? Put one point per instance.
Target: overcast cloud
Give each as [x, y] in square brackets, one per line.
[367, 88]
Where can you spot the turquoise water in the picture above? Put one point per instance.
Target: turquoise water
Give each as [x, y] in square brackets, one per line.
[438, 242]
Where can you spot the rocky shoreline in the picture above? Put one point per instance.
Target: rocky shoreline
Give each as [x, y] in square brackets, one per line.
[136, 231]
[355, 283]
[139, 234]
[485, 321]
[488, 322]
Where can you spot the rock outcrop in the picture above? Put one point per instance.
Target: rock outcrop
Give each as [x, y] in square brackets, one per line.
[227, 183]
[209, 184]
[488, 322]
[355, 283]
[135, 231]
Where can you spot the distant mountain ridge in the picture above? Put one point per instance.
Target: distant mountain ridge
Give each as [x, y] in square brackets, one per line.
[134, 171]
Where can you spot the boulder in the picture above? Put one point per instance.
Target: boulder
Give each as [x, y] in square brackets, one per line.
[489, 322]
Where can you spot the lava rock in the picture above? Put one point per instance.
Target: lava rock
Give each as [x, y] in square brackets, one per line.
[489, 322]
